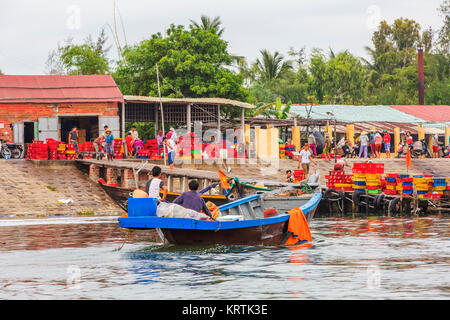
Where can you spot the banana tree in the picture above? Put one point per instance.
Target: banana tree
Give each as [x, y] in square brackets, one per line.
[274, 109]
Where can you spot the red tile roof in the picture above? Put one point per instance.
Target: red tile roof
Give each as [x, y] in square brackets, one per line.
[427, 113]
[58, 89]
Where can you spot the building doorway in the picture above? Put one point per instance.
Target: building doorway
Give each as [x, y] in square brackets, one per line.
[29, 132]
[87, 128]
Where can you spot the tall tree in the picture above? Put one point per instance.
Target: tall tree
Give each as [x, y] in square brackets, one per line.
[87, 58]
[271, 66]
[206, 23]
[192, 63]
[444, 33]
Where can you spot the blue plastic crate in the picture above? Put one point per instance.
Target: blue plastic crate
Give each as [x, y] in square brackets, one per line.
[407, 191]
[409, 184]
[138, 207]
[391, 180]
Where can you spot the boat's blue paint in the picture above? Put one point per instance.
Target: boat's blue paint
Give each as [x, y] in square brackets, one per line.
[151, 222]
[238, 202]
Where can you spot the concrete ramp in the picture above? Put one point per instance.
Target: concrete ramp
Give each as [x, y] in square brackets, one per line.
[35, 189]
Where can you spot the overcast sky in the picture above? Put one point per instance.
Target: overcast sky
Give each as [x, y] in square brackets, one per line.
[30, 29]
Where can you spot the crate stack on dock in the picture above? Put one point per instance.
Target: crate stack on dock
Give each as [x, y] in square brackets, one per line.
[367, 177]
[438, 187]
[339, 180]
[282, 151]
[118, 148]
[70, 151]
[38, 150]
[288, 150]
[392, 180]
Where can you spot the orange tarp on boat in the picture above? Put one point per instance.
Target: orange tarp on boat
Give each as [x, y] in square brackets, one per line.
[298, 226]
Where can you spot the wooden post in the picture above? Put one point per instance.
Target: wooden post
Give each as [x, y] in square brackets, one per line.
[123, 121]
[243, 126]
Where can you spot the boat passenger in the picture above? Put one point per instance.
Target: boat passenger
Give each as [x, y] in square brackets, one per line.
[154, 186]
[289, 176]
[192, 200]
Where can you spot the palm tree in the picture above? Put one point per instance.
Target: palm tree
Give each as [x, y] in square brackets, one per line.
[272, 66]
[207, 24]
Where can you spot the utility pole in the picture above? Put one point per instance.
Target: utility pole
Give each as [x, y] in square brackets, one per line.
[162, 111]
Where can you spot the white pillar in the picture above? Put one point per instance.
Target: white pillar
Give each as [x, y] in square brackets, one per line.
[188, 117]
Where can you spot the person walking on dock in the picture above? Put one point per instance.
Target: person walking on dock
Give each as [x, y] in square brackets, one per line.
[305, 159]
[109, 139]
[170, 144]
[363, 140]
[387, 143]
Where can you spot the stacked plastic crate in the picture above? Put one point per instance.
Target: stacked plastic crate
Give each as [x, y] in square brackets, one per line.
[152, 147]
[288, 150]
[367, 176]
[118, 148]
[52, 149]
[282, 151]
[62, 151]
[38, 150]
[339, 180]
[438, 187]
[70, 151]
[392, 180]
[422, 184]
[407, 184]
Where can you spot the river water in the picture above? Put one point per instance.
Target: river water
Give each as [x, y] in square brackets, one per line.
[93, 258]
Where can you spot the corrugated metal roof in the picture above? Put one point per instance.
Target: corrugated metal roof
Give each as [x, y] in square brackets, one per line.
[429, 113]
[58, 89]
[351, 114]
[218, 101]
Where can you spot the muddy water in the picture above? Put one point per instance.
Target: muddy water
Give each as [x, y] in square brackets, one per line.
[87, 258]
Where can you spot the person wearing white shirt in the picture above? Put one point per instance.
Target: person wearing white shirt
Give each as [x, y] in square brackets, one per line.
[305, 160]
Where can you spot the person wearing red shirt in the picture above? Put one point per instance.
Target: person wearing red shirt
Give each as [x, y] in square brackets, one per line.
[129, 140]
[387, 143]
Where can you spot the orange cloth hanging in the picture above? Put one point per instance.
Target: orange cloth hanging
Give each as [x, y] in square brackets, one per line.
[408, 157]
[298, 226]
[223, 180]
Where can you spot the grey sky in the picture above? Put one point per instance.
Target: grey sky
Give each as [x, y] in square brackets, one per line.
[30, 29]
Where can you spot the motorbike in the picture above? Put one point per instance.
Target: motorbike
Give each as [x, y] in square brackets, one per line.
[11, 150]
[420, 148]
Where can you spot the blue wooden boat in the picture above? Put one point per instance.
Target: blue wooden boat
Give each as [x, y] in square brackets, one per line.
[242, 222]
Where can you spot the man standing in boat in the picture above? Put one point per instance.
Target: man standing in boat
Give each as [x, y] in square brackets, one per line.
[155, 185]
[305, 159]
[192, 200]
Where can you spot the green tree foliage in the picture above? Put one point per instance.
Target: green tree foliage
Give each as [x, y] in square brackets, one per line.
[87, 58]
[1, 72]
[192, 63]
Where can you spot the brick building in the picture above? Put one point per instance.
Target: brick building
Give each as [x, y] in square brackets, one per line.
[47, 106]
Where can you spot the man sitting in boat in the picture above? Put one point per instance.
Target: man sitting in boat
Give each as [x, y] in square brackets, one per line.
[192, 200]
[155, 185]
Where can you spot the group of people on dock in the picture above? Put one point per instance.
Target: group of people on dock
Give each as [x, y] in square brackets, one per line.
[374, 144]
